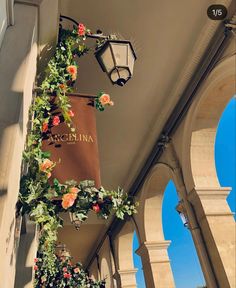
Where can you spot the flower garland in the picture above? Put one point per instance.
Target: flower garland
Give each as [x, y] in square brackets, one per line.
[44, 201]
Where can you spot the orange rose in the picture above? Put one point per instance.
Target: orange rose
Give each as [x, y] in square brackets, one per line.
[72, 70]
[68, 200]
[47, 164]
[104, 99]
[45, 127]
[62, 86]
[76, 270]
[74, 190]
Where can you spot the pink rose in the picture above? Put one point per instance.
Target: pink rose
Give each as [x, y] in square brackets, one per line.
[64, 269]
[104, 99]
[56, 121]
[76, 270]
[71, 113]
[96, 208]
[36, 267]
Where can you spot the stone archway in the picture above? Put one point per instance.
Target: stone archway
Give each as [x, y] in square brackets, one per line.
[204, 191]
[153, 248]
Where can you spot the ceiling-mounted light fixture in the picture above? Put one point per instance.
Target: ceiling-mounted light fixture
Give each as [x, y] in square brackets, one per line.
[75, 221]
[116, 57]
[182, 213]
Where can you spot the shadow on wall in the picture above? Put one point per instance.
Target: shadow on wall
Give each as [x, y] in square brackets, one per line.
[23, 270]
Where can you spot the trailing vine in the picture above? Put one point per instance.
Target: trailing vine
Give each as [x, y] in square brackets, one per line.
[44, 201]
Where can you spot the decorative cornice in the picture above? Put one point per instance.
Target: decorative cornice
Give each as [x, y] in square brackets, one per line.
[128, 271]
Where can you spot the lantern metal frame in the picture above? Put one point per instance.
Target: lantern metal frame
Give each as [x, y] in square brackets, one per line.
[103, 48]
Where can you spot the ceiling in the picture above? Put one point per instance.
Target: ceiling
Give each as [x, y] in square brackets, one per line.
[164, 35]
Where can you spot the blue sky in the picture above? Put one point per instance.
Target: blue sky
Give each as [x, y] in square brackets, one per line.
[187, 271]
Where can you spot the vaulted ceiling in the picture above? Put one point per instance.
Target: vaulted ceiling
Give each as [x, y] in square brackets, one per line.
[166, 36]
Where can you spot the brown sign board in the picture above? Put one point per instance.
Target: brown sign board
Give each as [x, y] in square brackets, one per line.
[76, 153]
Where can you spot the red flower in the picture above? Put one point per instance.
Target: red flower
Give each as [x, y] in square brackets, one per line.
[56, 121]
[96, 208]
[81, 29]
[36, 267]
[36, 260]
[64, 269]
[45, 127]
[71, 113]
[67, 275]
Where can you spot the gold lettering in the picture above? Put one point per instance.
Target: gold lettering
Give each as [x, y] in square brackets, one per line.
[64, 137]
[85, 138]
[57, 137]
[90, 139]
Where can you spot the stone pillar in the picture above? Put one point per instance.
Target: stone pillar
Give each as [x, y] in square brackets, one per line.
[156, 264]
[123, 251]
[218, 229]
[94, 271]
[105, 264]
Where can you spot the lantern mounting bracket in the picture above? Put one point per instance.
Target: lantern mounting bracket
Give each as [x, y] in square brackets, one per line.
[98, 35]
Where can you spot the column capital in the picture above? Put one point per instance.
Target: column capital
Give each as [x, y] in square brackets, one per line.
[212, 200]
[209, 193]
[155, 251]
[127, 277]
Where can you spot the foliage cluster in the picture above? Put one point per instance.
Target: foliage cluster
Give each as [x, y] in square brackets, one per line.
[44, 201]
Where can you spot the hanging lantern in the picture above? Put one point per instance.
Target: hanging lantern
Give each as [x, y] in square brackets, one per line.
[74, 220]
[116, 58]
[62, 252]
[182, 213]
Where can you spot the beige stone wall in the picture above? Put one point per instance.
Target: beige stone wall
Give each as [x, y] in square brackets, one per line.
[18, 64]
[3, 19]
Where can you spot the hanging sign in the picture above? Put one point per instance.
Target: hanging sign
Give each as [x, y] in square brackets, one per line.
[76, 153]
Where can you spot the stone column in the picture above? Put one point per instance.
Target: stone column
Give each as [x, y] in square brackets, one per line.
[156, 264]
[106, 264]
[218, 229]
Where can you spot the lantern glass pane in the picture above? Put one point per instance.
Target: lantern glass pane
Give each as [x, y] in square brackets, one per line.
[120, 73]
[120, 52]
[131, 60]
[107, 59]
[114, 75]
